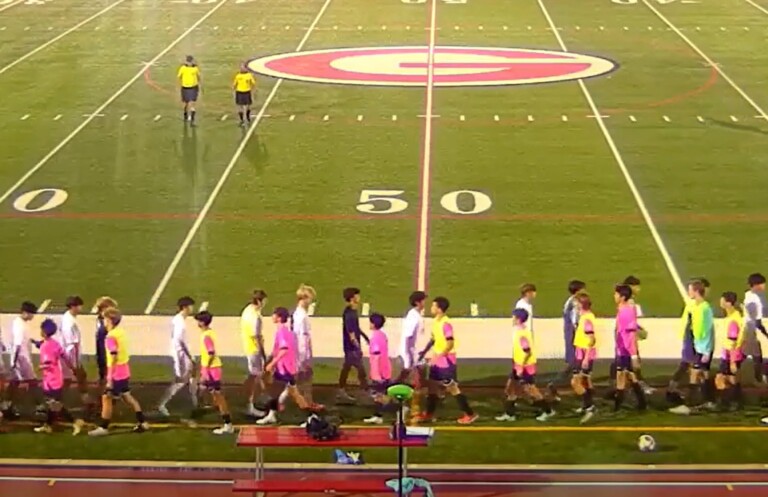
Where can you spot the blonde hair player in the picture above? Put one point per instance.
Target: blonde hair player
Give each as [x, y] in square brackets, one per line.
[302, 328]
[732, 333]
[251, 323]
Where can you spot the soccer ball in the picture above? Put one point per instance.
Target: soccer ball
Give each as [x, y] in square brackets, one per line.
[646, 443]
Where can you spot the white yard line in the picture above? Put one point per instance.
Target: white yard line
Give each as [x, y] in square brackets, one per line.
[225, 175]
[62, 35]
[10, 5]
[757, 6]
[709, 61]
[426, 164]
[100, 109]
[622, 166]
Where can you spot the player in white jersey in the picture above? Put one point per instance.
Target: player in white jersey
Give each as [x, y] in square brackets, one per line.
[22, 369]
[527, 296]
[253, 348]
[3, 374]
[302, 328]
[70, 339]
[413, 326]
[183, 362]
[755, 334]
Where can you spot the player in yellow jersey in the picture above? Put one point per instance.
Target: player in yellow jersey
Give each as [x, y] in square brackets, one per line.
[189, 80]
[244, 85]
[253, 347]
[585, 352]
[732, 351]
[442, 365]
[210, 370]
[118, 375]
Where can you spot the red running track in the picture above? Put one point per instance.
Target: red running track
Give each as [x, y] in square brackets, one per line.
[81, 481]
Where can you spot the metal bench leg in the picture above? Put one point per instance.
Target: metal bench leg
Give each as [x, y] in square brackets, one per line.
[259, 469]
[405, 462]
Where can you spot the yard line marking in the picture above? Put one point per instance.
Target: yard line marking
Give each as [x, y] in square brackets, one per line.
[106, 104]
[758, 7]
[760, 117]
[709, 61]
[44, 305]
[93, 115]
[426, 164]
[227, 171]
[595, 116]
[62, 35]
[734, 119]
[124, 117]
[57, 117]
[14, 4]
[623, 167]
[204, 306]
[25, 117]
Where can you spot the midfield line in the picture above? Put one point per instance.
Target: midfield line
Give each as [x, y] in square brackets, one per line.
[622, 166]
[426, 163]
[225, 175]
[708, 60]
[757, 6]
[14, 4]
[62, 35]
[100, 109]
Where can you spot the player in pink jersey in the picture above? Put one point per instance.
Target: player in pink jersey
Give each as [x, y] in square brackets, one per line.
[52, 356]
[210, 370]
[727, 379]
[626, 348]
[283, 366]
[585, 353]
[380, 367]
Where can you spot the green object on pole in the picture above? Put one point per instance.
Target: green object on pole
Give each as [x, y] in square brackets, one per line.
[400, 392]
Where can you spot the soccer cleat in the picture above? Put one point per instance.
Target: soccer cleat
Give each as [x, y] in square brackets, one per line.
[98, 432]
[44, 429]
[163, 411]
[227, 429]
[140, 427]
[467, 419]
[589, 413]
[545, 416]
[505, 417]
[681, 409]
[764, 420]
[77, 427]
[580, 410]
[373, 420]
[342, 397]
[423, 418]
[303, 425]
[269, 419]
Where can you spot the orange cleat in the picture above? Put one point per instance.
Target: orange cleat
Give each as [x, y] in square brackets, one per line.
[467, 419]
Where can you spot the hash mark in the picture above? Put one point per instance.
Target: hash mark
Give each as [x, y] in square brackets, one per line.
[26, 29]
[292, 117]
[480, 28]
[505, 28]
[530, 118]
[384, 28]
[215, 28]
[359, 117]
[455, 27]
[578, 28]
[167, 28]
[2, 28]
[650, 28]
[698, 28]
[58, 116]
[602, 28]
[722, 28]
[462, 118]
[25, 117]
[124, 117]
[666, 118]
[633, 119]
[700, 119]
[50, 28]
[158, 117]
[734, 119]
[564, 118]
[143, 28]
[591, 116]
[239, 28]
[626, 28]
[394, 117]
[359, 28]
[759, 117]
[224, 117]
[326, 117]
[287, 27]
[496, 118]
[529, 28]
[335, 28]
[407, 28]
[121, 28]
[263, 28]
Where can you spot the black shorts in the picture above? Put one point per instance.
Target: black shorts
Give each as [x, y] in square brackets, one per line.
[190, 94]
[578, 367]
[725, 367]
[624, 363]
[444, 375]
[54, 395]
[212, 385]
[700, 364]
[380, 387]
[119, 388]
[354, 359]
[243, 98]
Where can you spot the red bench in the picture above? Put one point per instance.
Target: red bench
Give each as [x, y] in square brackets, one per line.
[259, 438]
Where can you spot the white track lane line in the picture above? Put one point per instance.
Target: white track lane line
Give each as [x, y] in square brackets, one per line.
[709, 61]
[622, 166]
[100, 109]
[426, 163]
[62, 35]
[225, 175]
[10, 5]
[757, 6]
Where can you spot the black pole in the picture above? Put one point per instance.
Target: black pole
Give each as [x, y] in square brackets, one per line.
[400, 435]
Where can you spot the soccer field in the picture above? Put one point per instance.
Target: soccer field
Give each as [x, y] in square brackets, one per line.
[443, 170]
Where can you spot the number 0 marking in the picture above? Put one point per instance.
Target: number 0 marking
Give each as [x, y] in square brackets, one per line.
[56, 197]
[450, 202]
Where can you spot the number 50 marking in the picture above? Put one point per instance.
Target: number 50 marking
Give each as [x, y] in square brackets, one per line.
[389, 202]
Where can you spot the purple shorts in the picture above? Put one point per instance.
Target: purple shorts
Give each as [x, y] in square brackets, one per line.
[624, 363]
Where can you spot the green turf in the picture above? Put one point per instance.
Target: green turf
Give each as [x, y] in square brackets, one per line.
[560, 205]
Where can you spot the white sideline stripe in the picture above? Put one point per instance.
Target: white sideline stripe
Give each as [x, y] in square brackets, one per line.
[62, 35]
[227, 171]
[14, 4]
[709, 61]
[622, 166]
[421, 278]
[758, 7]
[565, 484]
[106, 104]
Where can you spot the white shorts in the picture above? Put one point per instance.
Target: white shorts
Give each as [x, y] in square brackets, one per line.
[751, 345]
[75, 359]
[182, 366]
[407, 360]
[23, 370]
[255, 365]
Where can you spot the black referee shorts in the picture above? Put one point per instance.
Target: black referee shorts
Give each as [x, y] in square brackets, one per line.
[243, 98]
[189, 94]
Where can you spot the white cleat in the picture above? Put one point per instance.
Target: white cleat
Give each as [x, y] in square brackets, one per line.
[98, 432]
[681, 409]
[589, 413]
[254, 413]
[163, 411]
[44, 429]
[505, 417]
[545, 416]
[269, 419]
[373, 420]
[227, 429]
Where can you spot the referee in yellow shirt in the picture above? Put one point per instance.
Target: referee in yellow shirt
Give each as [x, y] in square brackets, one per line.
[189, 79]
[243, 85]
